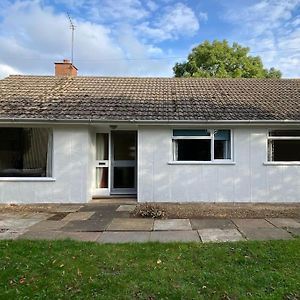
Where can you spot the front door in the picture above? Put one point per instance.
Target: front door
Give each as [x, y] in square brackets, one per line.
[123, 162]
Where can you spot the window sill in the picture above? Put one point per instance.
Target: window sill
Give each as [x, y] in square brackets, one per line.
[201, 163]
[282, 163]
[28, 179]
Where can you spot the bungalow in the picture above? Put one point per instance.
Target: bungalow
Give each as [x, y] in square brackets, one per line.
[68, 138]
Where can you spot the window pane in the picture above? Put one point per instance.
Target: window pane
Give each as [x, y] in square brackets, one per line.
[102, 177]
[24, 152]
[198, 150]
[102, 146]
[190, 132]
[284, 150]
[124, 145]
[124, 177]
[285, 133]
[222, 144]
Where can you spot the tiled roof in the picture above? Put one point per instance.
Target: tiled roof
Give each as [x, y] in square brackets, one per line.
[120, 98]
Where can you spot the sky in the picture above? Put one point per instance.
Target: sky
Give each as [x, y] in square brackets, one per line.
[142, 37]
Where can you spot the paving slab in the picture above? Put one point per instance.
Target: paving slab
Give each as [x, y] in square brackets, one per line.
[25, 215]
[110, 214]
[16, 224]
[87, 225]
[67, 208]
[284, 222]
[212, 223]
[263, 234]
[47, 225]
[252, 223]
[124, 237]
[174, 236]
[100, 208]
[220, 235]
[11, 234]
[126, 207]
[80, 236]
[294, 231]
[133, 224]
[172, 224]
[83, 215]
[40, 235]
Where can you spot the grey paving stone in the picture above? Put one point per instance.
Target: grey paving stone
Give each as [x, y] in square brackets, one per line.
[47, 225]
[220, 235]
[126, 207]
[67, 208]
[11, 234]
[212, 223]
[100, 208]
[80, 236]
[40, 235]
[134, 224]
[83, 215]
[124, 237]
[294, 231]
[284, 222]
[87, 225]
[172, 224]
[25, 215]
[110, 214]
[16, 224]
[262, 234]
[174, 236]
[252, 223]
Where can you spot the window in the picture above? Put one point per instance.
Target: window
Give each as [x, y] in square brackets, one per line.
[25, 152]
[201, 145]
[284, 145]
[102, 142]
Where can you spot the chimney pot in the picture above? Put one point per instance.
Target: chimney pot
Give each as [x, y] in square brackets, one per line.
[65, 68]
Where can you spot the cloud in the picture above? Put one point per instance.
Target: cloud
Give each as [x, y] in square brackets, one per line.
[6, 70]
[271, 29]
[33, 36]
[203, 16]
[131, 10]
[264, 15]
[177, 20]
[152, 5]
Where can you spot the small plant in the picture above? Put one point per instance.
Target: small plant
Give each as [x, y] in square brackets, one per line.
[148, 210]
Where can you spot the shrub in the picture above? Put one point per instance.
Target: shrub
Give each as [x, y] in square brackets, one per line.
[148, 210]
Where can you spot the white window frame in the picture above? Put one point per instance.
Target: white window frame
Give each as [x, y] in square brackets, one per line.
[210, 137]
[270, 138]
[99, 192]
[49, 165]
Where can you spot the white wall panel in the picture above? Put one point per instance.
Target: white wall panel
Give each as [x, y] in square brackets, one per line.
[71, 170]
[249, 180]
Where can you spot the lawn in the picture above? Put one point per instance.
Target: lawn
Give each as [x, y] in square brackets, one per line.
[67, 269]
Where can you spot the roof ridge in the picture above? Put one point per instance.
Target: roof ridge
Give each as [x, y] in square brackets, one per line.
[154, 78]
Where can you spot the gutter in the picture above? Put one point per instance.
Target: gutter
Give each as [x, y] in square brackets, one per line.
[145, 122]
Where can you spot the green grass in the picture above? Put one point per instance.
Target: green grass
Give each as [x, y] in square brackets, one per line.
[67, 269]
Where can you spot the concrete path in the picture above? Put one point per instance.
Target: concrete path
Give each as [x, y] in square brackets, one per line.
[112, 223]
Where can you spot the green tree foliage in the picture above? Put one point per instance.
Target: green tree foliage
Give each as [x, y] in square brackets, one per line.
[219, 59]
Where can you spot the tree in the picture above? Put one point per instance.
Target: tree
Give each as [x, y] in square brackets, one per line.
[219, 59]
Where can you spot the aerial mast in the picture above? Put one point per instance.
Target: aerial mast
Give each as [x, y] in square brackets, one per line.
[72, 27]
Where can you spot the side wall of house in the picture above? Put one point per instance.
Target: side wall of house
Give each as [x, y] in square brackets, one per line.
[71, 182]
[248, 180]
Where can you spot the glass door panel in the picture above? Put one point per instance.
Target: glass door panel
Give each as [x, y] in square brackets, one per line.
[123, 162]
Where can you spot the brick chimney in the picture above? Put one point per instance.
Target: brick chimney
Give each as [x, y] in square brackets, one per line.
[65, 68]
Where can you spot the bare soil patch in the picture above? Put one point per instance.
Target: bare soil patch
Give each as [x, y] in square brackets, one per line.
[34, 208]
[217, 210]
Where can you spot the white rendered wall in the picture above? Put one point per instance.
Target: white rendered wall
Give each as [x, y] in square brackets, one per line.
[249, 180]
[71, 172]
